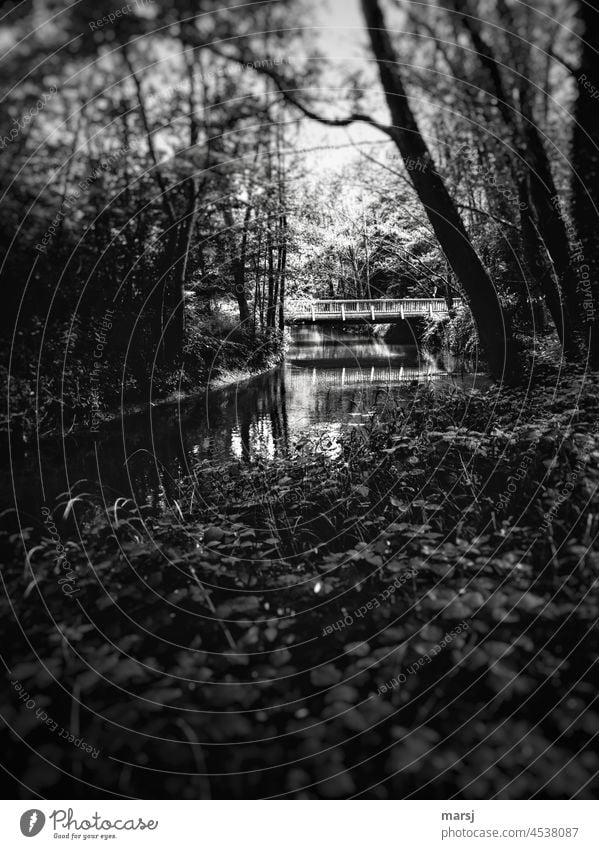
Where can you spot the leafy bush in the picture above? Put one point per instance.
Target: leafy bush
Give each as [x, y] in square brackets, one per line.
[455, 333]
[63, 395]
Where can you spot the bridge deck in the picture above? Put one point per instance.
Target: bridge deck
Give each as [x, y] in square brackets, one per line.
[377, 310]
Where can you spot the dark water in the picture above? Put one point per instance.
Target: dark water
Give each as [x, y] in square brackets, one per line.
[331, 380]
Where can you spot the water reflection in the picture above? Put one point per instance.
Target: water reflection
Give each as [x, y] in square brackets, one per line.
[330, 381]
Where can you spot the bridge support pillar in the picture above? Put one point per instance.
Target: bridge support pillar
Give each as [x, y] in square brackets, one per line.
[372, 312]
[401, 311]
[342, 312]
[313, 313]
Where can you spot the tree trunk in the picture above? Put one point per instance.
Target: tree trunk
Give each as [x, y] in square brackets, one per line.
[448, 293]
[282, 226]
[282, 270]
[494, 335]
[238, 265]
[169, 320]
[242, 303]
[549, 219]
[533, 173]
[270, 306]
[366, 254]
[585, 173]
[539, 270]
[355, 272]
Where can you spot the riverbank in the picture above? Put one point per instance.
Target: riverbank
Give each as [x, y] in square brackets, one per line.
[77, 399]
[222, 381]
[357, 622]
[311, 393]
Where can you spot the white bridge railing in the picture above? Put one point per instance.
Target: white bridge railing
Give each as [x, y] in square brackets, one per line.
[377, 309]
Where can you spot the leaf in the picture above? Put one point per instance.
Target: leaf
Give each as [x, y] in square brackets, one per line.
[357, 649]
[325, 676]
[213, 534]
[530, 602]
[243, 604]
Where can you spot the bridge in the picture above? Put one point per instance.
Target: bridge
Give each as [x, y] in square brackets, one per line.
[377, 311]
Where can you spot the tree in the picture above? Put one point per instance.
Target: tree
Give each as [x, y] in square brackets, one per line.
[585, 170]
[445, 220]
[493, 329]
[539, 211]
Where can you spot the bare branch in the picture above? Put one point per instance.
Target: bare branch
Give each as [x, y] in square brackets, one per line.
[283, 87]
[574, 71]
[487, 59]
[440, 44]
[496, 218]
[151, 148]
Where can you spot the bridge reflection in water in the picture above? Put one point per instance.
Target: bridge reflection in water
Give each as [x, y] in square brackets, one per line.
[331, 380]
[348, 376]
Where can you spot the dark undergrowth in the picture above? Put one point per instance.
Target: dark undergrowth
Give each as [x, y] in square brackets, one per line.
[75, 377]
[410, 612]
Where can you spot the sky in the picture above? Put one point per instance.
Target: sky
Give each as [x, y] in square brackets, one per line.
[339, 32]
[342, 26]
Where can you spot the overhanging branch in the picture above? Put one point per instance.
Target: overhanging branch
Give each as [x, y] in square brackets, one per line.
[283, 87]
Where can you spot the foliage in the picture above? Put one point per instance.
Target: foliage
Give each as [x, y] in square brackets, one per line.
[119, 197]
[46, 397]
[455, 333]
[247, 571]
[212, 646]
